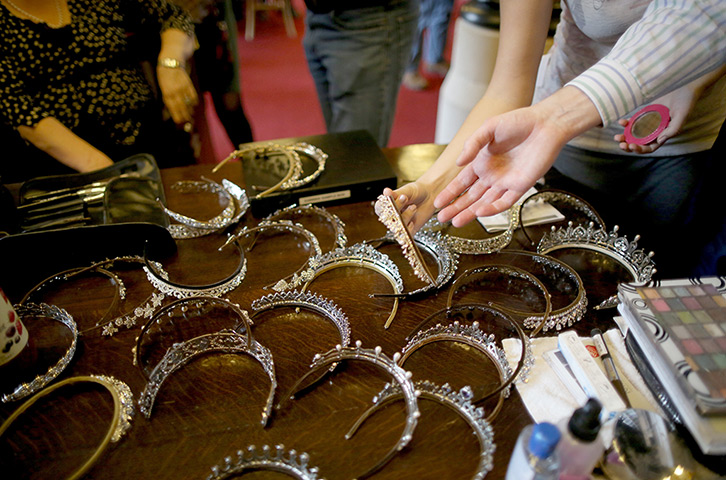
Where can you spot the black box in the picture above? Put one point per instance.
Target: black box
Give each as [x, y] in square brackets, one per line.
[356, 170]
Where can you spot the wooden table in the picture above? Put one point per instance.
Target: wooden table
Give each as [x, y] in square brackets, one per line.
[212, 407]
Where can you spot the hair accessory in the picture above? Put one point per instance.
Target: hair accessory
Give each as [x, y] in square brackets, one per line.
[364, 256]
[280, 461]
[160, 280]
[60, 315]
[305, 273]
[460, 402]
[473, 336]
[376, 357]
[237, 205]
[304, 148]
[389, 215]
[292, 167]
[437, 246]
[535, 322]
[123, 406]
[481, 246]
[638, 263]
[182, 353]
[311, 301]
[239, 322]
[566, 198]
[341, 240]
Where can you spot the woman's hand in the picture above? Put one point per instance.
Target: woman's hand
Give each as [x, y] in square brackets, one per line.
[178, 93]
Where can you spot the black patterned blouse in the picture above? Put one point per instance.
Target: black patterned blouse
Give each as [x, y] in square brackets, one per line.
[84, 74]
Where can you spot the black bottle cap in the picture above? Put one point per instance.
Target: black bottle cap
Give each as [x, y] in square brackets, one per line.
[585, 422]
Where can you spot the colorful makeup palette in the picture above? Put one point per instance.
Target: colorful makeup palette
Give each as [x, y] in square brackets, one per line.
[688, 321]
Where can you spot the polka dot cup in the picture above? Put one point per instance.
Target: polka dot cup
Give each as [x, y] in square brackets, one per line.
[13, 335]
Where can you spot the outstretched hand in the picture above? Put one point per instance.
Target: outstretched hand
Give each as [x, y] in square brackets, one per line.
[502, 160]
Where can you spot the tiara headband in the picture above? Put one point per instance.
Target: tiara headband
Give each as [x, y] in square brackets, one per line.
[341, 240]
[311, 301]
[237, 205]
[182, 353]
[60, 315]
[123, 410]
[293, 168]
[378, 358]
[240, 321]
[282, 461]
[360, 255]
[460, 402]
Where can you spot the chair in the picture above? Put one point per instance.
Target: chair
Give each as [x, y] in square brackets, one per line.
[254, 6]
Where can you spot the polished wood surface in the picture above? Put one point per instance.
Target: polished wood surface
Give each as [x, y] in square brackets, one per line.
[212, 407]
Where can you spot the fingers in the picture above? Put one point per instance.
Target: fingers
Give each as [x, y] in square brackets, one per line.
[179, 95]
[456, 187]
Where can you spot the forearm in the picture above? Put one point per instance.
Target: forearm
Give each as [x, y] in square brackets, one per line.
[52, 137]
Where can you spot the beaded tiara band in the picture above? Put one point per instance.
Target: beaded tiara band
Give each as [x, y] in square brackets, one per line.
[280, 460]
[310, 301]
[364, 256]
[184, 352]
[60, 315]
[388, 214]
[459, 401]
[123, 406]
[293, 169]
[378, 358]
[341, 240]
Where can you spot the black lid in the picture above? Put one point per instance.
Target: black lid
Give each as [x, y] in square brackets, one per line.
[585, 422]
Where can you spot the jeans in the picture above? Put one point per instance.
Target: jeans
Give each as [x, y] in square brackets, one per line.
[434, 21]
[357, 59]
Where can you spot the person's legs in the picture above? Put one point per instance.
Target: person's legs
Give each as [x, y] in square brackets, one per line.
[412, 78]
[437, 35]
[361, 94]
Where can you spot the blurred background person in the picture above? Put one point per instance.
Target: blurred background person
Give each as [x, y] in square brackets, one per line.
[429, 44]
[357, 51]
[72, 88]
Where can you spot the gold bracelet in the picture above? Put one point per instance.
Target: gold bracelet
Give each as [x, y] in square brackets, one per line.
[168, 62]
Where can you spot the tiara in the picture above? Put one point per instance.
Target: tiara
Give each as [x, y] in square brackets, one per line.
[364, 256]
[311, 301]
[160, 280]
[237, 205]
[123, 405]
[304, 148]
[459, 401]
[280, 460]
[536, 322]
[341, 240]
[292, 168]
[182, 353]
[635, 260]
[240, 321]
[388, 214]
[446, 259]
[573, 201]
[376, 357]
[481, 246]
[60, 315]
[473, 336]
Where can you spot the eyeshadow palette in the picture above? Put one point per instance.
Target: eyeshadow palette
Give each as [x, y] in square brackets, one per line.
[686, 322]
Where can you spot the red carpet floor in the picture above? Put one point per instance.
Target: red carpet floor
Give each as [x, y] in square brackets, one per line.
[279, 96]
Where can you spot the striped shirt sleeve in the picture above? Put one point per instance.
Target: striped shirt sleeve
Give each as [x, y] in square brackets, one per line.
[675, 42]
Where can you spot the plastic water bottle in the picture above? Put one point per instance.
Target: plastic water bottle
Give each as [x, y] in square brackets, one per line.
[535, 456]
[581, 447]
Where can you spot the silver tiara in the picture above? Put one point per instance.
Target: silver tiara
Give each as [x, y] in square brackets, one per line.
[311, 301]
[536, 322]
[481, 246]
[289, 170]
[364, 256]
[341, 240]
[376, 357]
[240, 322]
[182, 353]
[60, 315]
[639, 263]
[388, 214]
[237, 205]
[289, 462]
[459, 401]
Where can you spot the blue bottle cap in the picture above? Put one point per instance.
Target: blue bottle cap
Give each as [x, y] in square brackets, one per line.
[544, 439]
